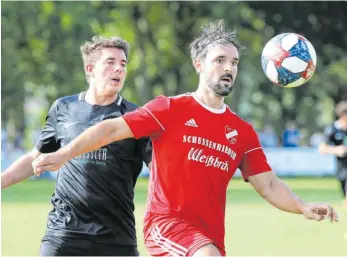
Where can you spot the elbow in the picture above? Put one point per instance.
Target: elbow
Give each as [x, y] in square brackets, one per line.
[267, 190]
[111, 134]
[112, 130]
[105, 132]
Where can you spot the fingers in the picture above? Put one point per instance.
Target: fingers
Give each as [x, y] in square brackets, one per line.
[330, 213]
[317, 217]
[44, 168]
[43, 163]
[322, 211]
[36, 163]
[334, 216]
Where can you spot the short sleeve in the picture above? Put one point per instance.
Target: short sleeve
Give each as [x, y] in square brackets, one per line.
[47, 141]
[149, 120]
[254, 160]
[328, 135]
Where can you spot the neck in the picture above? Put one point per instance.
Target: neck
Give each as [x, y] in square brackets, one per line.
[206, 96]
[93, 96]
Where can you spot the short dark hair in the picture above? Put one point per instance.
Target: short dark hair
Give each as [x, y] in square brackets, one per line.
[341, 108]
[214, 32]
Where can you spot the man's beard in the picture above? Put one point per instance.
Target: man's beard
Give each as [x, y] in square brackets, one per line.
[219, 88]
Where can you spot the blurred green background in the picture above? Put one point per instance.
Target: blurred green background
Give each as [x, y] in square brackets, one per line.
[41, 59]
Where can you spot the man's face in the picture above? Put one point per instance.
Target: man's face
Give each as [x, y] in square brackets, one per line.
[109, 71]
[219, 68]
[344, 117]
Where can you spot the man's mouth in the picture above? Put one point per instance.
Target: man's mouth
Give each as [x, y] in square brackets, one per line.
[227, 79]
[116, 79]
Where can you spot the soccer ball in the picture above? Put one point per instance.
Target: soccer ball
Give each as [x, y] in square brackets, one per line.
[289, 60]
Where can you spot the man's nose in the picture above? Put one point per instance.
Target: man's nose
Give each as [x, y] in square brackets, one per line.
[118, 68]
[228, 68]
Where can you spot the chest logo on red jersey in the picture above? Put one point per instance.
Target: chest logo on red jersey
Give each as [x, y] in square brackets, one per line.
[191, 123]
[231, 134]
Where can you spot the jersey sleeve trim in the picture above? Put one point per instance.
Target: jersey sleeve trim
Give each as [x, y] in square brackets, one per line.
[257, 148]
[154, 118]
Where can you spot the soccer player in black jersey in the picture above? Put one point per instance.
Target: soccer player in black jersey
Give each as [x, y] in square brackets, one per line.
[336, 143]
[93, 208]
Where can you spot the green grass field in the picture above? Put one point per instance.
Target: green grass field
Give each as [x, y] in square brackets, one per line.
[253, 227]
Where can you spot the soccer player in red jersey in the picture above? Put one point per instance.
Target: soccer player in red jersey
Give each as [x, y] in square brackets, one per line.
[198, 143]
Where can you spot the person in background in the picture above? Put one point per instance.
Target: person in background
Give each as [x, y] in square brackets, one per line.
[291, 135]
[268, 137]
[335, 142]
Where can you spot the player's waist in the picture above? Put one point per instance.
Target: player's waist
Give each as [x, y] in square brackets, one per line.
[107, 238]
[212, 229]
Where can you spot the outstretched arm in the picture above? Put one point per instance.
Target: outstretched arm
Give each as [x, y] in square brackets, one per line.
[338, 150]
[276, 192]
[93, 138]
[20, 170]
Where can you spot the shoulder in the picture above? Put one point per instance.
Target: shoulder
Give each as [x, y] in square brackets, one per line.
[242, 123]
[62, 101]
[169, 100]
[331, 129]
[181, 99]
[129, 106]
[67, 99]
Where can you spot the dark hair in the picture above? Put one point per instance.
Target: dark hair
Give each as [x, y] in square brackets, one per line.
[214, 32]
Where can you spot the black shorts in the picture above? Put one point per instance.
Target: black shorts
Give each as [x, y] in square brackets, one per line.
[57, 246]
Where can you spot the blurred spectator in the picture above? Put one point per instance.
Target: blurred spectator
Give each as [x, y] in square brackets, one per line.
[268, 137]
[291, 135]
[335, 142]
[18, 140]
[4, 140]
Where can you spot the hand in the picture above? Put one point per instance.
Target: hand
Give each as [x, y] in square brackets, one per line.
[341, 151]
[48, 162]
[318, 211]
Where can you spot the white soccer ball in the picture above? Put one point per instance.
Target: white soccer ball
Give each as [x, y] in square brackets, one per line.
[289, 60]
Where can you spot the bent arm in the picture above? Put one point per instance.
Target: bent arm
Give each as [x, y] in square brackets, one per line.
[276, 192]
[20, 170]
[329, 149]
[97, 136]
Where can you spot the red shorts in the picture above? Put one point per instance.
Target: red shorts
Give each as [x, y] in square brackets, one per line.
[174, 237]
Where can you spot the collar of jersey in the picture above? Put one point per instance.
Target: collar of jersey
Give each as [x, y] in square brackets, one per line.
[118, 100]
[213, 110]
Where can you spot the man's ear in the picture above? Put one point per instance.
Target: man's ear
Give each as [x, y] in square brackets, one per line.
[197, 65]
[89, 68]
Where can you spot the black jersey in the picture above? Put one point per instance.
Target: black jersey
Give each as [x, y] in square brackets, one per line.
[335, 135]
[94, 192]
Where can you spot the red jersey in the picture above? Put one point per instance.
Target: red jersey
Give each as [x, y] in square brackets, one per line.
[196, 151]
